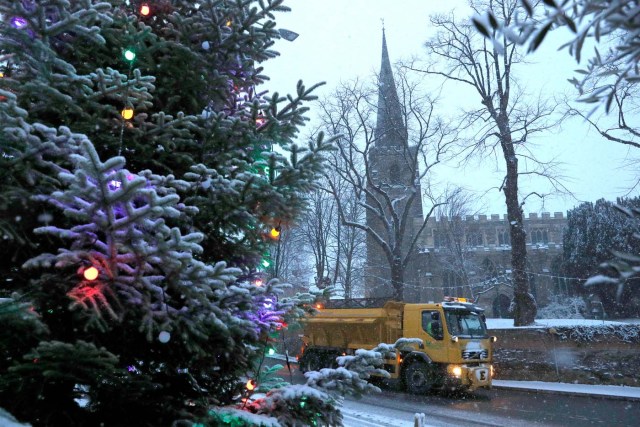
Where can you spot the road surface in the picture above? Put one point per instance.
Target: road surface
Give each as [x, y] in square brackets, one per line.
[496, 407]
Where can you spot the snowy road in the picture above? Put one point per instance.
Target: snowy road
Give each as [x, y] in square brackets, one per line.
[507, 408]
[497, 407]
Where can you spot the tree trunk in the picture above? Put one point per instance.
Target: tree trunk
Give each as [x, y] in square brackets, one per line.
[397, 280]
[525, 305]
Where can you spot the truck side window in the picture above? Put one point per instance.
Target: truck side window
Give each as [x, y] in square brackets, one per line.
[431, 324]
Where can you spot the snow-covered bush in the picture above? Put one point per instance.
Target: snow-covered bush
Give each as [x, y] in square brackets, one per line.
[563, 307]
[608, 333]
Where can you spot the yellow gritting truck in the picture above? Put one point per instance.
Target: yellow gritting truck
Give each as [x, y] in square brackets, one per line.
[455, 350]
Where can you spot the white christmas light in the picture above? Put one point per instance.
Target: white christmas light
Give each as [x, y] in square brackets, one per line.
[164, 337]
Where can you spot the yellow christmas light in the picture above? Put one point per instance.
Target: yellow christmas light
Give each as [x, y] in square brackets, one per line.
[90, 273]
[127, 113]
[275, 232]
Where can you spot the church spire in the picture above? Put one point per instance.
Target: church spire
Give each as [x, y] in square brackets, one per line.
[390, 129]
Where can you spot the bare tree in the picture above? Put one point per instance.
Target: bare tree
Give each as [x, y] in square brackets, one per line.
[609, 79]
[288, 258]
[337, 251]
[452, 237]
[391, 203]
[349, 242]
[504, 124]
[315, 229]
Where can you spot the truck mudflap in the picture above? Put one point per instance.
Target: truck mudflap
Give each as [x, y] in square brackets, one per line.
[478, 376]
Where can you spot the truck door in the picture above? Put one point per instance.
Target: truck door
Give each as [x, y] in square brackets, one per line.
[432, 324]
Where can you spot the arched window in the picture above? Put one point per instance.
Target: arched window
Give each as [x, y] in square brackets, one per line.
[504, 238]
[394, 174]
[437, 239]
[489, 269]
[452, 284]
[474, 238]
[539, 236]
[501, 306]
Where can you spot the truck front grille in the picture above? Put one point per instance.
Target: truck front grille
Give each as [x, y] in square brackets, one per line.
[475, 355]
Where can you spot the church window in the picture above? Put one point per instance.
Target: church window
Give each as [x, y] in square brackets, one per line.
[394, 174]
[474, 238]
[451, 283]
[504, 239]
[539, 236]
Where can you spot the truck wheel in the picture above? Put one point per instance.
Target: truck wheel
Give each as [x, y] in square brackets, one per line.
[310, 362]
[418, 378]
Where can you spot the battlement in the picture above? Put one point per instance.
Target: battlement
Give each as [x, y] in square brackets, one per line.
[546, 216]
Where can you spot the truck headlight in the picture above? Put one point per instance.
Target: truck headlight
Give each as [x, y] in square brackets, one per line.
[456, 371]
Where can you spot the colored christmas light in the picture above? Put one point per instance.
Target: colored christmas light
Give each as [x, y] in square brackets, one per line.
[275, 232]
[127, 113]
[90, 273]
[114, 185]
[271, 351]
[251, 385]
[129, 55]
[18, 22]
[145, 10]
[164, 337]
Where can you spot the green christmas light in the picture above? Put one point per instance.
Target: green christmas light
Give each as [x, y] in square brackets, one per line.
[266, 263]
[271, 351]
[129, 55]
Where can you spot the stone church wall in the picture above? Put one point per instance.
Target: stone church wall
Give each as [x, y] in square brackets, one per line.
[482, 269]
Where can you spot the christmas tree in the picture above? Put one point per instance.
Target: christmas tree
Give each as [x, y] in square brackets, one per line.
[141, 171]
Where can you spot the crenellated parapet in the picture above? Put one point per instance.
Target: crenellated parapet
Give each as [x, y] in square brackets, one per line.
[491, 232]
[557, 216]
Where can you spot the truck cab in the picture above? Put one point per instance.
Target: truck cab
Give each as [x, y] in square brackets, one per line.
[455, 350]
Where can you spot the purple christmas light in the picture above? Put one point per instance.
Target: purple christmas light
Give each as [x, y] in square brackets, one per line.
[114, 185]
[18, 22]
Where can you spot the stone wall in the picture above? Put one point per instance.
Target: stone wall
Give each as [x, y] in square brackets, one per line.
[569, 355]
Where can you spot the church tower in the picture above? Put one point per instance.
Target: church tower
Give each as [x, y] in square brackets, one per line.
[394, 171]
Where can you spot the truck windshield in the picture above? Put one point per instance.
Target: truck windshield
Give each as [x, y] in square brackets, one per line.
[464, 323]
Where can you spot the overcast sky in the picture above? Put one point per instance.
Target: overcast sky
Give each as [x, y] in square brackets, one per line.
[341, 40]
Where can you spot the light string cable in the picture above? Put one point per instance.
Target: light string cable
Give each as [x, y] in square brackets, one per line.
[502, 279]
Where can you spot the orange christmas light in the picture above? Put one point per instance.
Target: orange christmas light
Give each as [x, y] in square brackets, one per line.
[145, 10]
[251, 385]
[275, 232]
